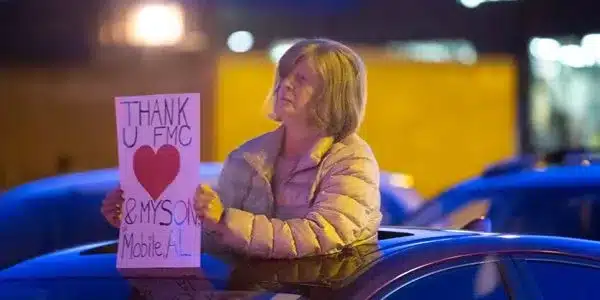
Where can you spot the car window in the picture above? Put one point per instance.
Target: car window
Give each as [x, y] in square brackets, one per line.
[468, 212]
[571, 211]
[450, 212]
[477, 282]
[556, 280]
[562, 211]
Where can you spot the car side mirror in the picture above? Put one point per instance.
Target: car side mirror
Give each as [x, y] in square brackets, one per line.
[480, 224]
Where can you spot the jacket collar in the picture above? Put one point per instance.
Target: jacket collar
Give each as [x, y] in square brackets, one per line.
[263, 156]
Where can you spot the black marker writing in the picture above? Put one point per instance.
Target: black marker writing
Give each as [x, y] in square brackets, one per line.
[162, 212]
[178, 135]
[166, 119]
[147, 245]
[130, 205]
[130, 142]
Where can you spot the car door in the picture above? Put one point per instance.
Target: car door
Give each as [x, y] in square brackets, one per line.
[555, 276]
[473, 278]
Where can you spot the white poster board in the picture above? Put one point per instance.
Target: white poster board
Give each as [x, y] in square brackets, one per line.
[159, 156]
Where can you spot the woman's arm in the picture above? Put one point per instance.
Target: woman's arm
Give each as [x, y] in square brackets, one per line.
[346, 210]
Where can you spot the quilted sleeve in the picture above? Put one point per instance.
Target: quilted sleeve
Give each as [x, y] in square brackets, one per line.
[346, 210]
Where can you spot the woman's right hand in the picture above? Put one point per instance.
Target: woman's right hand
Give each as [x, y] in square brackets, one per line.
[111, 207]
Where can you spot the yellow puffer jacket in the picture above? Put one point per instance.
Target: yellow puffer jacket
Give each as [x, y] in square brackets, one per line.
[332, 199]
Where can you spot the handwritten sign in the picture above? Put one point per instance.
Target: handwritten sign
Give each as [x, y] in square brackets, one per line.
[159, 155]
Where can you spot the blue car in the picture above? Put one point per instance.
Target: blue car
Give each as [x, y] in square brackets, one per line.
[559, 195]
[407, 263]
[64, 211]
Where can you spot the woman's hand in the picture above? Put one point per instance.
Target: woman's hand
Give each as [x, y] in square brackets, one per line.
[111, 207]
[208, 205]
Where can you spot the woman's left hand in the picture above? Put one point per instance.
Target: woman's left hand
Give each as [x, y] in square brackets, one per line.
[208, 205]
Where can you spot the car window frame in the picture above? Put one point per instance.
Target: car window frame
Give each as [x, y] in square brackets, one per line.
[508, 274]
[528, 276]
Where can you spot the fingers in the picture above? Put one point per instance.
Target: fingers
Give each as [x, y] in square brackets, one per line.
[207, 204]
[111, 207]
[204, 194]
[204, 211]
[113, 199]
[115, 220]
[202, 203]
[205, 189]
[110, 210]
[115, 196]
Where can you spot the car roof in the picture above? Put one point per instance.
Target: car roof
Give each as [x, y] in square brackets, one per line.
[413, 247]
[536, 178]
[517, 179]
[470, 249]
[93, 259]
[552, 176]
[562, 168]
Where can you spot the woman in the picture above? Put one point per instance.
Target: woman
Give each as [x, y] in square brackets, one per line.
[310, 187]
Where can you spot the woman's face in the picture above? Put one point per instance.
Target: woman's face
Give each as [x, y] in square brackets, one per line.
[295, 92]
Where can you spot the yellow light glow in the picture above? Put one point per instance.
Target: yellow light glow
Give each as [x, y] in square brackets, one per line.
[156, 25]
[401, 180]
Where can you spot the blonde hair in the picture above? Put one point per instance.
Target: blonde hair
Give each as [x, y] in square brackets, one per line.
[338, 108]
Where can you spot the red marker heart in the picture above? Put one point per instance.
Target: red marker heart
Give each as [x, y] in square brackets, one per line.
[155, 171]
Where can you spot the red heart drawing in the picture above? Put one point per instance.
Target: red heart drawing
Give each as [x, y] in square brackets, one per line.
[155, 171]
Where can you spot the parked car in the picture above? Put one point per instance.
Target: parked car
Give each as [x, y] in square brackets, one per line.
[408, 263]
[64, 211]
[558, 195]
[399, 198]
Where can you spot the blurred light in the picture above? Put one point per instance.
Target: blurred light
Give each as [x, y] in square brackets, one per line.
[466, 55]
[544, 49]
[509, 236]
[546, 69]
[240, 41]
[487, 279]
[157, 25]
[279, 48]
[471, 3]
[435, 51]
[591, 43]
[401, 180]
[476, 3]
[576, 56]
[545, 53]
[428, 52]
